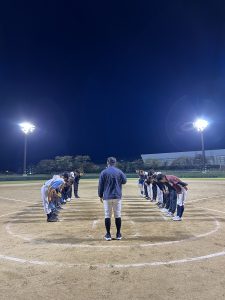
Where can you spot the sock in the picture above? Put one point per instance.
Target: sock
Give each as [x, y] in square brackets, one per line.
[178, 210]
[118, 224]
[181, 211]
[107, 225]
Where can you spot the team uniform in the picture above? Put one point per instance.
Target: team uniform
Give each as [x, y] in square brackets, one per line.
[48, 191]
[141, 182]
[176, 197]
[110, 190]
[67, 188]
[148, 188]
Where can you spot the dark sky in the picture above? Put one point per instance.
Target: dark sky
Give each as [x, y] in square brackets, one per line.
[110, 77]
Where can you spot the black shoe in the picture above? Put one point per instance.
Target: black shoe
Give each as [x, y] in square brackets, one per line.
[108, 237]
[119, 236]
[54, 214]
[77, 197]
[53, 219]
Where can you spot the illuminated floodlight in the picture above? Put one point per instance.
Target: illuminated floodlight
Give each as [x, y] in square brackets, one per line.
[27, 127]
[200, 124]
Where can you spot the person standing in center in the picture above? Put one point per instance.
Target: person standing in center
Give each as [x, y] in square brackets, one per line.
[110, 193]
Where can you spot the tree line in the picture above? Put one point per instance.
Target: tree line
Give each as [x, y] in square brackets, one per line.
[81, 162]
[85, 164]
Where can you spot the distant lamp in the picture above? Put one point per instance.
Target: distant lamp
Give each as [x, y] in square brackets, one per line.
[200, 125]
[27, 128]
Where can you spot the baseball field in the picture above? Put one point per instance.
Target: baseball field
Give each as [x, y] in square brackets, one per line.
[157, 258]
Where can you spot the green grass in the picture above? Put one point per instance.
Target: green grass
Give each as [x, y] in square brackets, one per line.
[95, 180]
[21, 182]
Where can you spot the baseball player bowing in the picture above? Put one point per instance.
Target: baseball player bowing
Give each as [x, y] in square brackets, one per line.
[110, 193]
[48, 191]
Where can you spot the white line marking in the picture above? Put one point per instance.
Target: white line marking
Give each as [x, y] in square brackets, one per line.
[95, 222]
[12, 199]
[137, 234]
[219, 211]
[159, 263]
[205, 198]
[8, 230]
[120, 266]
[12, 213]
[171, 262]
[68, 245]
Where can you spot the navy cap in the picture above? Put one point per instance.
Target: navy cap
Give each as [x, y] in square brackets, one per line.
[111, 161]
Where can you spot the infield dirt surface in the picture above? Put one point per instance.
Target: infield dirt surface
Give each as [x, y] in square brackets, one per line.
[157, 258]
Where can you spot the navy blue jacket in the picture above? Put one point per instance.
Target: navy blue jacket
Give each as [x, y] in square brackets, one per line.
[110, 183]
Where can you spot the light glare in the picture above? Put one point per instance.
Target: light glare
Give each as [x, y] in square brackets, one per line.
[201, 124]
[27, 127]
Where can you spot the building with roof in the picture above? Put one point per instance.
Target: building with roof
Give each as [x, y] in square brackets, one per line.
[213, 157]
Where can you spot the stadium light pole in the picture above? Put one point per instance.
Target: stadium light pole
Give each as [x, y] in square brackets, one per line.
[201, 125]
[27, 128]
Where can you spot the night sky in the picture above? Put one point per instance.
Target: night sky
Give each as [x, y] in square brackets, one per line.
[110, 77]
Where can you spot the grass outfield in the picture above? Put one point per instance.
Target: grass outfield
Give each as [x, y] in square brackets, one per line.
[94, 180]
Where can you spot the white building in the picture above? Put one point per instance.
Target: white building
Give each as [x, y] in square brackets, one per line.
[213, 157]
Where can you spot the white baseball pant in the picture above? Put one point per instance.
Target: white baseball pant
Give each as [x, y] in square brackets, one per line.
[150, 191]
[114, 205]
[44, 197]
[181, 198]
[159, 195]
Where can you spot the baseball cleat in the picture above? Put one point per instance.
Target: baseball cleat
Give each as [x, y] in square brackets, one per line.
[170, 215]
[177, 218]
[108, 237]
[52, 219]
[119, 236]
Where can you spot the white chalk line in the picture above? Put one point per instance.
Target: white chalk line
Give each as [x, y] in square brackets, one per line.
[120, 266]
[15, 200]
[214, 210]
[69, 245]
[199, 258]
[95, 223]
[8, 230]
[137, 233]
[205, 198]
[11, 213]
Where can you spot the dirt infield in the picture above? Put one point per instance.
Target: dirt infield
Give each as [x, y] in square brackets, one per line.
[157, 259]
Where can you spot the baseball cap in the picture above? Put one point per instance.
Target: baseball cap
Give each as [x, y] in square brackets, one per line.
[111, 160]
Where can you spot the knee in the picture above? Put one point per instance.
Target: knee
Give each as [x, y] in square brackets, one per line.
[117, 214]
[107, 214]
